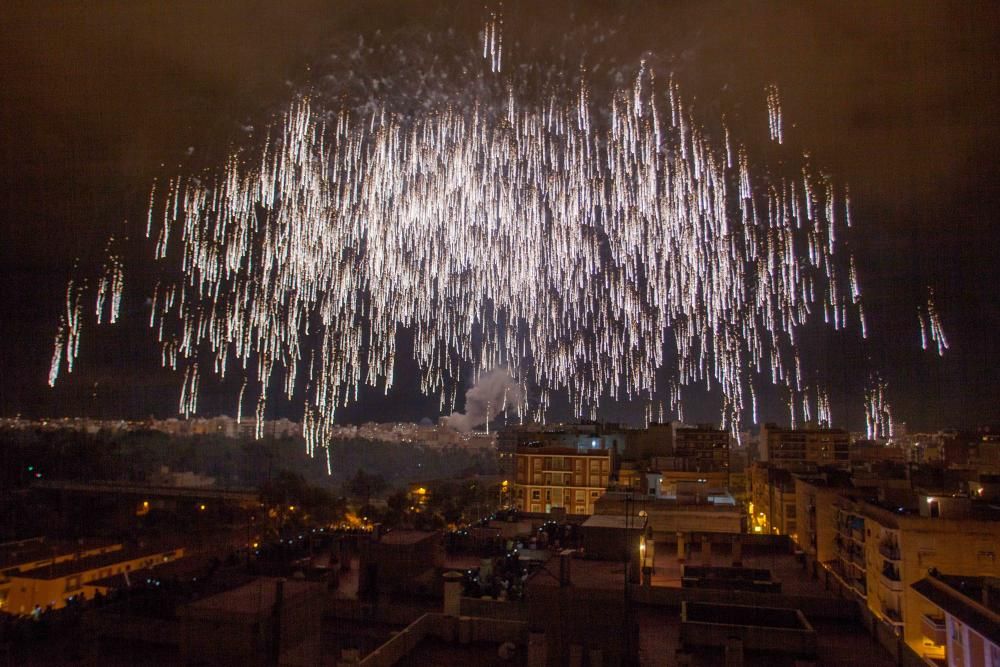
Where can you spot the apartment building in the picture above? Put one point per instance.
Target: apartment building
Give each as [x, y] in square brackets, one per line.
[882, 550]
[554, 476]
[966, 622]
[801, 448]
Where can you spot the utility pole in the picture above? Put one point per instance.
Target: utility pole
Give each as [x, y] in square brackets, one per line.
[626, 616]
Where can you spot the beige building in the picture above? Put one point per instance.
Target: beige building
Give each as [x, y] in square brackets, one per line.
[816, 534]
[805, 447]
[966, 623]
[672, 519]
[881, 551]
[551, 477]
[702, 448]
[33, 554]
[54, 585]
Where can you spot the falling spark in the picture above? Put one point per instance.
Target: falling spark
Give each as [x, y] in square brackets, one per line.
[878, 412]
[774, 120]
[931, 330]
[569, 243]
[493, 41]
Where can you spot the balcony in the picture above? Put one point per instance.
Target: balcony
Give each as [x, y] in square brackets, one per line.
[891, 615]
[889, 578]
[933, 628]
[889, 550]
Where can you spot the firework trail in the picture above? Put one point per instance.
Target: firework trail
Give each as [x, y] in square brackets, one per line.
[823, 414]
[931, 330]
[581, 248]
[774, 120]
[878, 412]
[493, 41]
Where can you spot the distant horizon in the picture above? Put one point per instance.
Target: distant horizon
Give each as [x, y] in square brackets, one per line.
[979, 428]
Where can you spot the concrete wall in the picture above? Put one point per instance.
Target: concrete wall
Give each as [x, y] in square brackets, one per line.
[795, 642]
[495, 609]
[354, 610]
[460, 629]
[811, 606]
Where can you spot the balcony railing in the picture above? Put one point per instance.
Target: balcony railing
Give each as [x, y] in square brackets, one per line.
[890, 580]
[892, 615]
[933, 628]
[889, 550]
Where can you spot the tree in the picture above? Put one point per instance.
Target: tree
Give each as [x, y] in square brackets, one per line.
[363, 485]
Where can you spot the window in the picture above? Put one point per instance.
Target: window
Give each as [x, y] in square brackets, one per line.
[536, 494]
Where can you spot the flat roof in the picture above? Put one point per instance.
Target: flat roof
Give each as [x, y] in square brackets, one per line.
[583, 574]
[615, 521]
[182, 566]
[28, 551]
[254, 598]
[407, 536]
[70, 567]
[563, 450]
[785, 618]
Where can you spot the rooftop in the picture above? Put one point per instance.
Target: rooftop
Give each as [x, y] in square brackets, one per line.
[161, 572]
[562, 450]
[614, 521]
[70, 567]
[585, 574]
[255, 598]
[407, 536]
[29, 551]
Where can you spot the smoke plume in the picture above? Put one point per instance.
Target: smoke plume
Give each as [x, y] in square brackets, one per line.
[484, 401]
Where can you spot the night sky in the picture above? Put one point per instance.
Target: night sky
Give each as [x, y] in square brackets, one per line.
[898, 99]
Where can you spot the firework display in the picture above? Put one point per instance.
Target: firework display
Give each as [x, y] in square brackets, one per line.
[607, 253]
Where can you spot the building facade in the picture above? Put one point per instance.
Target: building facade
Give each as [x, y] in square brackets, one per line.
[772, 508]
[815, 499]
[551, 477]
[881, 551]
[702, 449]
[805, 447]
[966, 623]
[55, 585]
